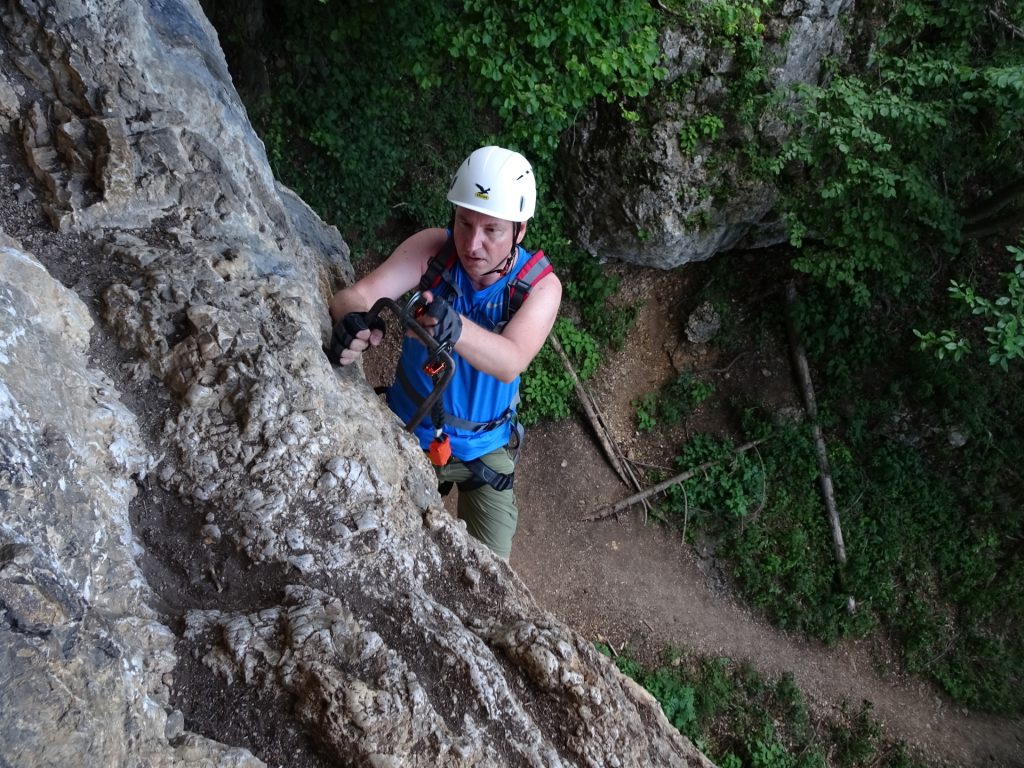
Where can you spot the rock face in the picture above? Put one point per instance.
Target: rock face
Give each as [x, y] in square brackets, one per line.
[388, 636]
[639, 196]
[85, 659]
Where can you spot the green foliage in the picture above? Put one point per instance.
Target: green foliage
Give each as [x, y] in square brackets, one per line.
[944, 343]
[846, 336]
[857, 741]
[929, 559]
[675, 403]
[733, 19]
[705, 127]
[887, 157]
[589, 287]
[540, 64]
[674, 690]
[730, 487]
[675, 697]
[579, 346]
[683, 396]
[949, 594]
[767, 752]
[873, 203]
[734, 28]
[740, 719]
[646, 412]
[546, 388]
[1004, 335]
[765, 510]
[931, 554]
[347, 127]
[372, 109]
[735, 31]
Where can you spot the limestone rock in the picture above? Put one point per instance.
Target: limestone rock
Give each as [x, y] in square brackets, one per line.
[640, 198]
[82, 655]
[703, 323]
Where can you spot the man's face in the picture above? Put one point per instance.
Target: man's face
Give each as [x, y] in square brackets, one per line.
[482, 242]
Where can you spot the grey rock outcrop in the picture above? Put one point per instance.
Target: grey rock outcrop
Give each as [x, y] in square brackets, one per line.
[639, 198]
[85, 661]
[392, 638]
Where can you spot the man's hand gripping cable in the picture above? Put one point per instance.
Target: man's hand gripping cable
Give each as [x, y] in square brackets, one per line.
[439, 366]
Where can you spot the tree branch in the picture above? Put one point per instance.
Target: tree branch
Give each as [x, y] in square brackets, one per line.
[1008, 222]
[1017, 31]
[995, 203]
[595, 420]
[803, 374]
[682, 477]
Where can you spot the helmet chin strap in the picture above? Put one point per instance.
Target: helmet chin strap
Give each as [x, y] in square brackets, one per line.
[504, 268]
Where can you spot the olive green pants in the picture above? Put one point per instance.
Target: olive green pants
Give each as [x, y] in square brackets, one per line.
[490, 515]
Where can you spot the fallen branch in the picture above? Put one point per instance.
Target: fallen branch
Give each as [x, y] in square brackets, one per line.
[686, 511]
[729, 366]
[999, 200]
[595, 420]
[682, 477]
[1017, 31]
[803, 374]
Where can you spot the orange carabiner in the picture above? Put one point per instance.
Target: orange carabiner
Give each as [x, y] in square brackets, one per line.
[440, 450]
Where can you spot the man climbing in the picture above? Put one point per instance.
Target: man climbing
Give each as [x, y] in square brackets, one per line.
[494, 303]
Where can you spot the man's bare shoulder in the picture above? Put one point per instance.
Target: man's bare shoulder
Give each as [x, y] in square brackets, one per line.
[420, 246]
[550, 287]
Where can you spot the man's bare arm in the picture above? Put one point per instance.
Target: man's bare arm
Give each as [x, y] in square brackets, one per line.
[401, 272]
[507, 354]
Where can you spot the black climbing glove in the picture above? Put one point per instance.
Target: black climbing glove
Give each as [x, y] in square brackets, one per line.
[449, 323]
[345, 331]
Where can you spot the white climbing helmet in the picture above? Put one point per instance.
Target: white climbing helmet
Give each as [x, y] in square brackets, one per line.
[495, 181]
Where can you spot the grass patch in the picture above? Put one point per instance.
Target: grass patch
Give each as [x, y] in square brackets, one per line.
[737, 717]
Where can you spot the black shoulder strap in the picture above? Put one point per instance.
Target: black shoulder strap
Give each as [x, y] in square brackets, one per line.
[439, 267]
[536, 268]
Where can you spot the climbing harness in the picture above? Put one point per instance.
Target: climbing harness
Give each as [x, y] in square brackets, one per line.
[439, 270]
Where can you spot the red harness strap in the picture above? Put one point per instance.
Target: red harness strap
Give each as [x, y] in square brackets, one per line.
[519, 287]
[440, 264]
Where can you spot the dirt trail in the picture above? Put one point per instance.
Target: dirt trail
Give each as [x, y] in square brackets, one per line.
[635, 583]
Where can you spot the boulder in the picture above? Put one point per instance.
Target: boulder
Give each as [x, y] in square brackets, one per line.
[640, 195]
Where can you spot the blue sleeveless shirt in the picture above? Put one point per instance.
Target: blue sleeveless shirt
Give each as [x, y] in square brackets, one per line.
[472, 395]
